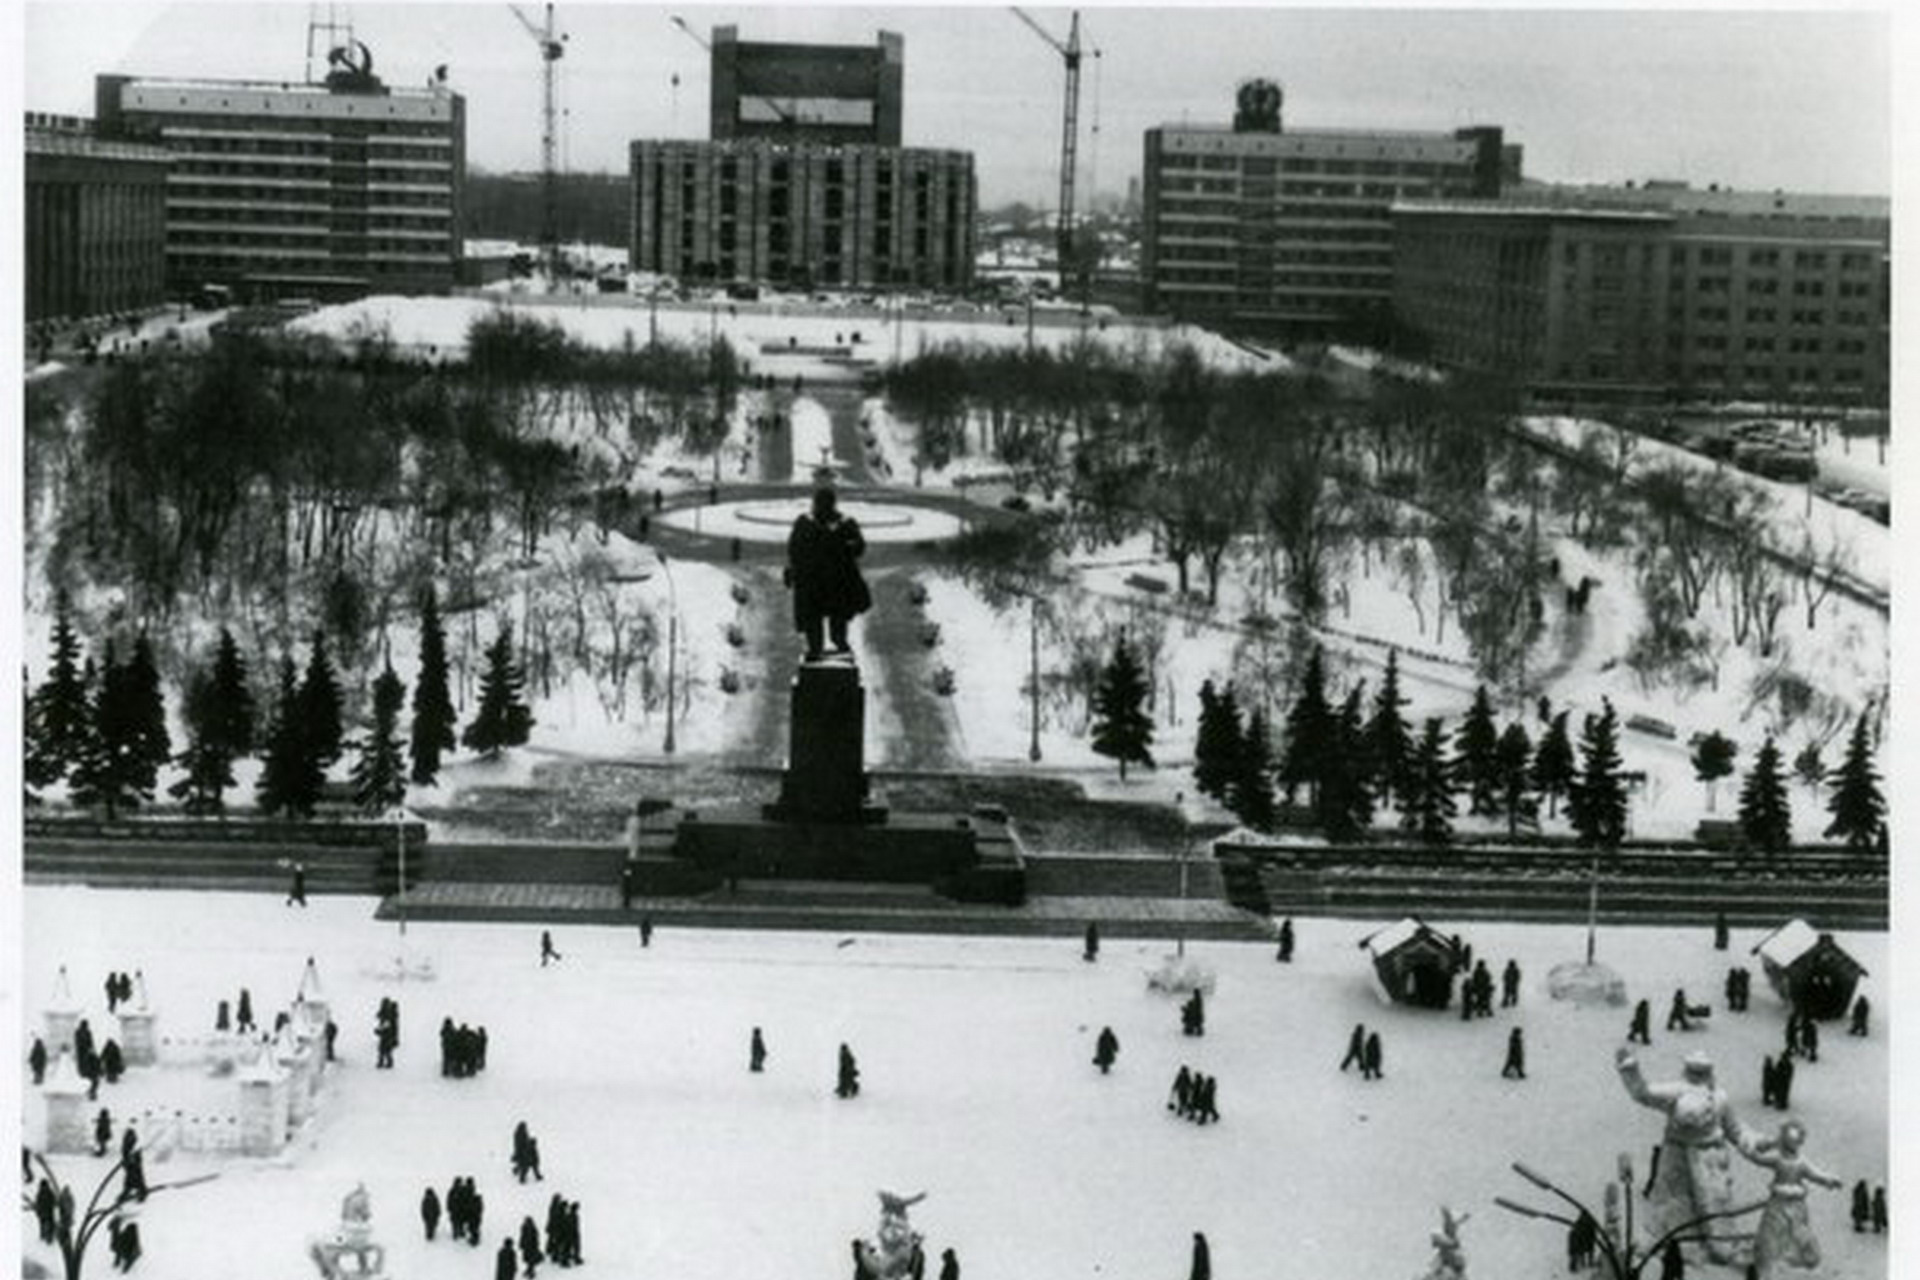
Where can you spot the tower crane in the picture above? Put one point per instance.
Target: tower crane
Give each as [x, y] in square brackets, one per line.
[1069, 132]
[552, 46]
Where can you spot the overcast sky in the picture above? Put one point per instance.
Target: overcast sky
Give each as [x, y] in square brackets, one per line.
[1752, 98]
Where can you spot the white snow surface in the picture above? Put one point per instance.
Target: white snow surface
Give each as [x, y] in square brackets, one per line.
[629, 1066]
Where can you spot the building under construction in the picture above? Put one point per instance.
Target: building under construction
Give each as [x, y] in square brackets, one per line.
[324, 190]
[803, 183]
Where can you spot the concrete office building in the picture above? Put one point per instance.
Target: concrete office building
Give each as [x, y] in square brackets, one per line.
[327, 190]
[1255, 227]
[94, 213]
[804, 183]
[1654, 293]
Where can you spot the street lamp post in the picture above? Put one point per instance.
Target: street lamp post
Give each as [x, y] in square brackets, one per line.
[1033, 677]
[673, 646]
[399, 815]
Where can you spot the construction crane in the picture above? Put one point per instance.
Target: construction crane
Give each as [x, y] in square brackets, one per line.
[552, 47]
[781, 113]
[1069, 134]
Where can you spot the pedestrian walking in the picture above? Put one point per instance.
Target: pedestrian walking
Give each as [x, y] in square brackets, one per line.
[1719, 931]
[102, 1132]
[1583, 1239]
[1862, 1206]
[130, 1249]
[847, 1082]
[530, 1253]
[1510, 985]
[243, 1012]
[505, 1265]
[37, 1060]
[1202, 1266]
[1677, 1012]
[1091, 950]
[297, 892]
[1673, 1264]
[949, 1265]
[1857, 1027]
[1637, 1030]
[1285, 955]
[1180, 1100]
[112, 1064]
[1208, 1100]
[1769, 1081]
[43, 1211]
[1370, 1068]
[1515, 1067]
[1879, 1210]
[1193, 1015]
[1106, 1050]
[1783, 1082]
[430, 1213]
[133, 1176]
[1356, 1048]
[756, 1053]
[546, 948]
[1809, 1038]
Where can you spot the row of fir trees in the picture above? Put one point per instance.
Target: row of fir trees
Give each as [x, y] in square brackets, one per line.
[102, 727]
[1338, 764]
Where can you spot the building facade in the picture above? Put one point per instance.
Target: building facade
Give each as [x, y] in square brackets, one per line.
[804, 183]
[806, 93]
[1254, 227]
[804, 216]
[326, 190]
[95, 221]
[1654, 293]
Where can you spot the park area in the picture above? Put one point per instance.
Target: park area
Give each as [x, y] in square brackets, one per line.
[629, 1065]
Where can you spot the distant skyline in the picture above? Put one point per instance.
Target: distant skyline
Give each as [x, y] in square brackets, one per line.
[1748, 98]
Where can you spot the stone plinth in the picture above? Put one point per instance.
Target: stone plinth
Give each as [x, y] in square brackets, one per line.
[826, 778]
[69, 1126]
[264, 1112]
[139, 1043]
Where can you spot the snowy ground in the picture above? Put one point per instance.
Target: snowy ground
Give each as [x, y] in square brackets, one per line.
[629, 1066]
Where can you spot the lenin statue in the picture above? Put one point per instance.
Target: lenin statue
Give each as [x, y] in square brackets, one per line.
[823, 554]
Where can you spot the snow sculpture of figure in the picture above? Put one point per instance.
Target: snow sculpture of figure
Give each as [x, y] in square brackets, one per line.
[1785, 1237]
[1449, 1259]
[351, 1253]
[891, 1254]
[1695, 1172]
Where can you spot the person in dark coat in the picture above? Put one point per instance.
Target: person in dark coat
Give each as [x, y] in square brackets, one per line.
[1642, 1018]
[505, 1265]
[533, 1159]
[859, 1263]
[102, 1132]
[1862, 1205]
[530, 1254]
[384, 1039]
[1719, 931]
[1783, 1082]
[430, 1212]
[126, 1244]
[222, 1018]
[1677, 1014]
[1207, 1098]
[1879, 1210]
[456, 1205]
[1810, 1038]
[1673, 1264]
[331, 1034]
[1180, 1101]
[133, 1176]
[1202, 1266]
[112, 1064]
[1733, 990]
[1091, 950]
[574, 1257]
[847, 1083]
[297, 892]
[43, 1210]
[37, 1060]
[546, 948]
[1106, 1050]
[1515, 1067]
[756, 1053]
[522, 1138]
[1356, 1047]
[646, 931]
[476, 1211]
[949, 1265]
[83, 1047]
[1510, 985]
[1370, 1061]
[1857, 1027]
[113, 991]
[1769, 1081]
[823, 553]
[1583, 1238]
[1285, 955]
[243, 1012]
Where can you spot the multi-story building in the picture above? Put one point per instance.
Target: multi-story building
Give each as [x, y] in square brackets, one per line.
[806, 92]
[325, 190]
[1254, 227]
[95, 215]
[1657, 292]
[804, 183]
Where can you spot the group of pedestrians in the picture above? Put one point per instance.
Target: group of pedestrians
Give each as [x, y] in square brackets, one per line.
[1776, 1081]
[463, 1049]
[1739, 989]
[1363, 1051]
[465, 1209]
[1194, 1096]
[119, 989]
[240, 1019]
[1869, 1209]
[95, 1064]
[1476, 993]
[1803, 1037]
[1193, 1015]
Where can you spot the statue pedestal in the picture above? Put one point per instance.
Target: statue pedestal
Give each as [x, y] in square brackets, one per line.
[826, 779]
[138, 1045]
[69, 1123]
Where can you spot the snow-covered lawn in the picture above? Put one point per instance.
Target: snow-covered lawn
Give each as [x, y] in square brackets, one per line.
[630, 1068]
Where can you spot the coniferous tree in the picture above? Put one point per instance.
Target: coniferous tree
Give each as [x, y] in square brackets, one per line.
[432, 704]
[1310, 725]
[1346, 796]
[147, 712]
[1122, 729]
[1429, 810]
[1859, 809]
[321, 707]
[207, 759]
[236, 718]
[291, 776]
[111, 772]
[1216, 742]
[1251, 794]
[379, 776]
[1766, 819]
[1597, 801]
[1477, 755]
[1515, 755]
[1389, 738]
[502, 719]
[1713, 756]
[1553, 763]
[60, 711]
